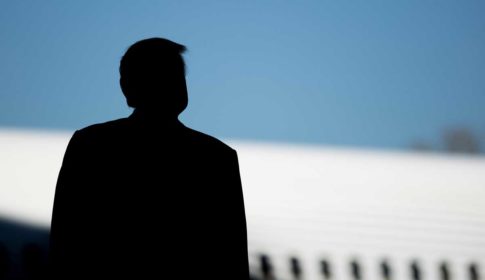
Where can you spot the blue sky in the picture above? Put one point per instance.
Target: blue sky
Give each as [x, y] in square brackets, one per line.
[376, 74]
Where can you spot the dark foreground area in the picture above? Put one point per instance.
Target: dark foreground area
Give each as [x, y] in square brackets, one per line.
[23, 250]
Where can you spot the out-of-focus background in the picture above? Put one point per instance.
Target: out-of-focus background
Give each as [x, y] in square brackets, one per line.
[367, 118]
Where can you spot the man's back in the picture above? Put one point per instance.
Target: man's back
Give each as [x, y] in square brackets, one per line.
[139, 197]
[145, 196]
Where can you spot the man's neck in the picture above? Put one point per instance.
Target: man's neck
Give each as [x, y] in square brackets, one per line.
[154, 117]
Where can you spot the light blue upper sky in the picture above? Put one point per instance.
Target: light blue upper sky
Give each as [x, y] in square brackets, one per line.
[361, 73]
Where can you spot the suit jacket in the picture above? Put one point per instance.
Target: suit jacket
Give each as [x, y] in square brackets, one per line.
[141, 198]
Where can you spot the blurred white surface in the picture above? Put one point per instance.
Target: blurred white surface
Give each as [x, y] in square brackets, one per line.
[309, 202]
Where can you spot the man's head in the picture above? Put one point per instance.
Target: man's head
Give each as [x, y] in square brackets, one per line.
[152, 76]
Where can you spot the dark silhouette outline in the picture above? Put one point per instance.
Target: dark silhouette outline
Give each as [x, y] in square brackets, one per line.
[145, 196]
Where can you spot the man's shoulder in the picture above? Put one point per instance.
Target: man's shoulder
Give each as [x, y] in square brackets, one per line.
[100, 129]
[105, 125]
[114, 127]
[208, 141]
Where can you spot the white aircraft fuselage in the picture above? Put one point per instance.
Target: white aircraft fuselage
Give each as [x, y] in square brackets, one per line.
[310, 203]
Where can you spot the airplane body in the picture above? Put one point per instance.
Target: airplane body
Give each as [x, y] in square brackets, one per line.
[313, 212]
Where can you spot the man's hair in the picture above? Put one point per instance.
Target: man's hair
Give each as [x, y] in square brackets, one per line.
[153, 71]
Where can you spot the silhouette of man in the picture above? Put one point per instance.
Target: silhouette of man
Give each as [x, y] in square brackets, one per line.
[145, 196]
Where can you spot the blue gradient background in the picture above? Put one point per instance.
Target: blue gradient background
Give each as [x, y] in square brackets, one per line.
[378, 74]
